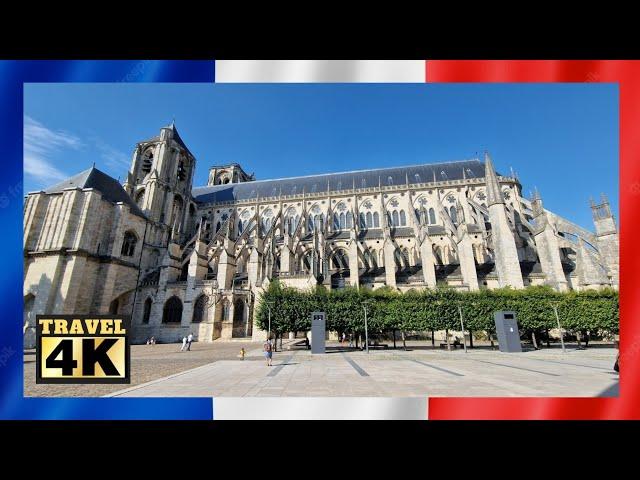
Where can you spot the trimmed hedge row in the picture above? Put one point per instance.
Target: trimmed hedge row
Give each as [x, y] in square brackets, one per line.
[388, 310]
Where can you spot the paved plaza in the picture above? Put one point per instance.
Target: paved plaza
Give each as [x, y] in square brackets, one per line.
[420, 371]
[148, 362]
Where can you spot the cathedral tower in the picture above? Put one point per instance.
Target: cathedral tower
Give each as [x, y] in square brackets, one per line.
[232, 173]
[160, 181]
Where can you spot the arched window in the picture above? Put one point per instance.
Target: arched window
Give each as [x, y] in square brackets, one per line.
[343, 221]
[225, 310]
[369, 220]
[199, 309]
[176, 215]
[306, 262]
[401, 257]
[240, 226]
[454, 214]
[146, 314]
[182, 170]
[376, 220]
[172, 312]
[336, 221]
[363, 220]
[349, 220]
[370, 259]
[128, 244]
[395, 221]
[432, 216]
[240, 265]
[403, 218]
[340, 260]
[147, 161]
[310, 224]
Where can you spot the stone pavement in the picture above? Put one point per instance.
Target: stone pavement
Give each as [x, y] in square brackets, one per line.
[148, 362]
[397, 373]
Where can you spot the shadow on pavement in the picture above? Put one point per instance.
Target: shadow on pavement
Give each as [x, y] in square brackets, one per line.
[612, 391]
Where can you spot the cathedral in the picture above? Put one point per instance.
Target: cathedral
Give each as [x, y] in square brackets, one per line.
[182, 259]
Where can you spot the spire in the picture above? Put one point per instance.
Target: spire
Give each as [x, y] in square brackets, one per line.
[536, 194]
[494, 194]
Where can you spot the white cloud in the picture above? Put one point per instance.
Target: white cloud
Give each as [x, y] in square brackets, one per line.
[112, 156]
[40, 143]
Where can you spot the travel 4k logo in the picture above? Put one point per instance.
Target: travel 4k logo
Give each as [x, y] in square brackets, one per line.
[82, 349]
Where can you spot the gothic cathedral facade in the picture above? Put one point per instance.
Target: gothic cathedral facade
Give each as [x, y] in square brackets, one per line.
[181, 259]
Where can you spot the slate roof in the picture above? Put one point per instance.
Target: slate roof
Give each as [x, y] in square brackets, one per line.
[322, 183]
[108, 186]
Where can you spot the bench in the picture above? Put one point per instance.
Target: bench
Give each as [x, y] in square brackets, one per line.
[303, 343]
[376, 344]
[453, 344]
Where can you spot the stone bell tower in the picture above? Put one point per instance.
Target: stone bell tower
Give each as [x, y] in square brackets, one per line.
[232, 173]
[160, 179]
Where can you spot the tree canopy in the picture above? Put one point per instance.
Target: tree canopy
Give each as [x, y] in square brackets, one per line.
[436, 309]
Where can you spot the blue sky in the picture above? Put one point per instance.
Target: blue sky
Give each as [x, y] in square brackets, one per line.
[560, 138]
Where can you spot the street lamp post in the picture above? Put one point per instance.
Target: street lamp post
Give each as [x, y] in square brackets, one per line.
[555, 310]
[464, 342]
[366, 330]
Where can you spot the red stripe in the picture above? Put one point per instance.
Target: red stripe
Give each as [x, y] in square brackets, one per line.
[627, 75]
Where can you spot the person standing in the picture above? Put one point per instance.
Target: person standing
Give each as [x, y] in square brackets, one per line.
[184, 344]
[268, 351]
[189, 340]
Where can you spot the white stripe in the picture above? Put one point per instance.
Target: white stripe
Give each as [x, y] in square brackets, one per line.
[312, 71]
[319, 408]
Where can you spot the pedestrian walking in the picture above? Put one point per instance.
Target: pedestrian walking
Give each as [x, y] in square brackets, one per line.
[268, 351]
[350, 340]
[189, 340]
[343, 339]
[184, 344]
